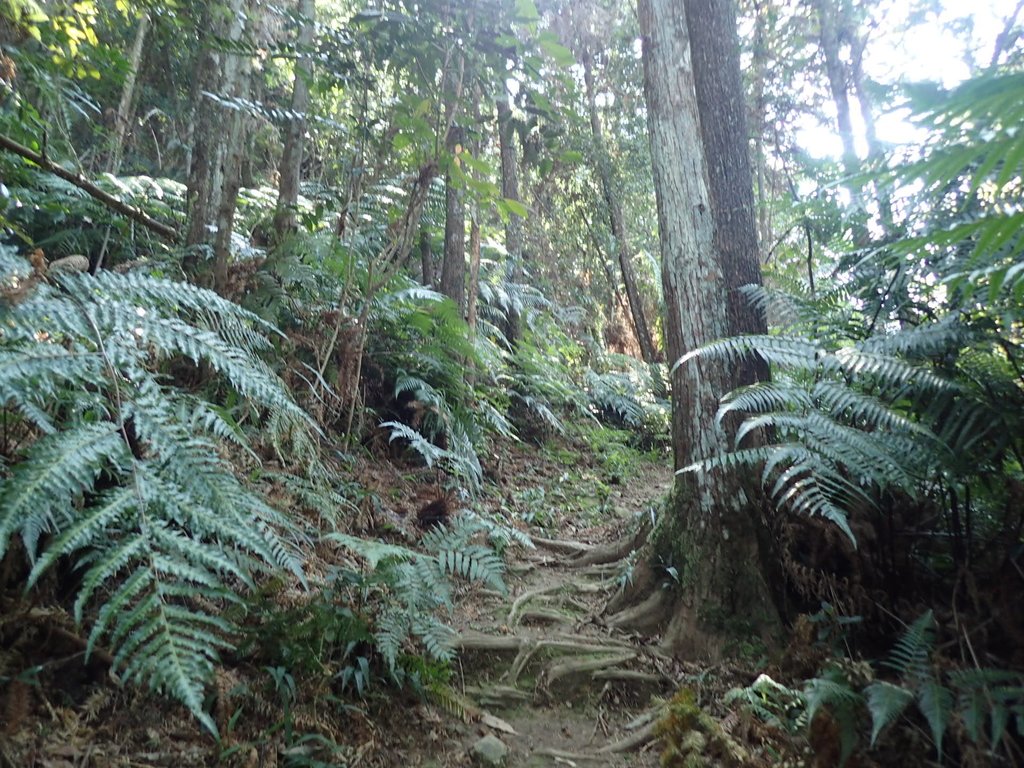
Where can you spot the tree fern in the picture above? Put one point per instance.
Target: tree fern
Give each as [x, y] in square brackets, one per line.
[126, 475]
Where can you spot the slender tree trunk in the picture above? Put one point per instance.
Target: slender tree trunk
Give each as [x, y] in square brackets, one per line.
[291, 157]
[617, 221]
[473, 289]
[453, 266]
[838, 78]
[214, 72]
[706, 533]
[513, 227]
[235, 84]
[124, 107]
[426, 258]
[203, 146]
[474, 269]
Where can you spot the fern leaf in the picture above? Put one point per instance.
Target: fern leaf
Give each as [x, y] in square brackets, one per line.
[886, 702]
[59, 466]
[936, 704]
[371, 551]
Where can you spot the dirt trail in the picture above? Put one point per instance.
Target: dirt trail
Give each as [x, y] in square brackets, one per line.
[540, 670]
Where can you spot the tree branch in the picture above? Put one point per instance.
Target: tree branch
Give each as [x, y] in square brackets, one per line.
[135, 214]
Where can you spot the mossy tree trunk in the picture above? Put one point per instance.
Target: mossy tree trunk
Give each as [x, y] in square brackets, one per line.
[708, 537]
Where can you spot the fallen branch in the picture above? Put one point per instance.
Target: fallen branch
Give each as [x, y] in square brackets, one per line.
[135, 214]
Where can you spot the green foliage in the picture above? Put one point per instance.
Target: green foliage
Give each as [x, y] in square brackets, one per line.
[839, 436]
[971, 697]
[414, 586]
[122, 471]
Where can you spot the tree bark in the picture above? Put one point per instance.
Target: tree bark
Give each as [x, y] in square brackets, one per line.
[474, 271]
[124, 107]
[513, 227]
[217, 140]
[291, 156]
[706, 533]
[715, 50]
[235, 85]
[616, 219]
[453, 266]
[426, 258]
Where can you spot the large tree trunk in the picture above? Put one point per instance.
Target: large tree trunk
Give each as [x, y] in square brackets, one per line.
[291, 157]
[453, 265]
[714, 48]
[616, 218]
[513, 227]
[707, 532]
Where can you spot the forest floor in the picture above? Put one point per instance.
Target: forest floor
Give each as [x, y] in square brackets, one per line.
[537, 669]
[564, 688]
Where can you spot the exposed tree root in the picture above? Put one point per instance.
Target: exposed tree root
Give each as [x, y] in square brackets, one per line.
[631, 743]
[544, 616]
[641, 737]
[630, 676]
[519, 602]
[615, 551]
[480, 641]
[580, 666]
[561, 546]
[646, 616]
[528, 651]
[561, 754]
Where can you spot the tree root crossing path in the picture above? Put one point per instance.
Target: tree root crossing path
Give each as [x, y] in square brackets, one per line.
[542, 670]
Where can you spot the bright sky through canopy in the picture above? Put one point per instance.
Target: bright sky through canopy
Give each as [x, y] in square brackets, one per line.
[930, 50]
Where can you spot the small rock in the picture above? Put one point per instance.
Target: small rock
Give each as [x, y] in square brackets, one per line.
[75, 263]
[489, 752]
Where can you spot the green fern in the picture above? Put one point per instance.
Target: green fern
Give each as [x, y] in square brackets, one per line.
[126, 475]
[833, 690]
[420, 584]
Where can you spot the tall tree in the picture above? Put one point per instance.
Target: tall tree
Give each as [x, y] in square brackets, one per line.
[510, 191]
[124, 106]
[216, 141]
[708, 532]
[295, 132]
[453, 265]
[616, 219]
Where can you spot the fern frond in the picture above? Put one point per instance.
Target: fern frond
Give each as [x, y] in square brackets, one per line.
[57, 469]
[475, 563]
[910, 657]
[374, 552]
[886, 702]
[790, 351]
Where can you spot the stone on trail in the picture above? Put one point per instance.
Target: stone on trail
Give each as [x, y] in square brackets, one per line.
[489, 752]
